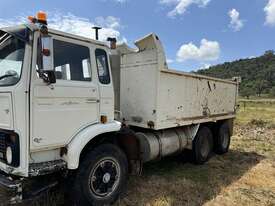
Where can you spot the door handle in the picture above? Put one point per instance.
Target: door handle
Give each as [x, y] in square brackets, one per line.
[92, 100]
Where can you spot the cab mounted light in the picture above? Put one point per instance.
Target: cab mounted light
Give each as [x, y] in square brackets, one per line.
[32, 19]
[103, 119]
[41, 17]
[41, 20]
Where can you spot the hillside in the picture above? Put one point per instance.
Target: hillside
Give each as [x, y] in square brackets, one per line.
[258, 74]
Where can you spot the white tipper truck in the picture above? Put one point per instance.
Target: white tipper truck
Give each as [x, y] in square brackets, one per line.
[95, 112]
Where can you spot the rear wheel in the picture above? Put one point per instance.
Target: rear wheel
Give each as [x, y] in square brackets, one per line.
[202, 145]
[101, 177]
[222, 140]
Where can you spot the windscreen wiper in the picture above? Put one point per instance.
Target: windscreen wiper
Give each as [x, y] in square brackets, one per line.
[7, 75]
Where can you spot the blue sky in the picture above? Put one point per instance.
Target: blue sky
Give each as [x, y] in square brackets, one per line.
[195, 33]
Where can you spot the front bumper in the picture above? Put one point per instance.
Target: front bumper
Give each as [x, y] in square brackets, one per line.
[10, 189]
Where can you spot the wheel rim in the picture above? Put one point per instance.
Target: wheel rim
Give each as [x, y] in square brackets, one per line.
[105, 177]
[205, 148]
[225, 140]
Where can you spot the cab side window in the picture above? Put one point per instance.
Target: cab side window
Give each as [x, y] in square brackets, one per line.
[102, 66]
[71, 61]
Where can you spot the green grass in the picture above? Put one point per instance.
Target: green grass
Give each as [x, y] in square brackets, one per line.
[256, 110]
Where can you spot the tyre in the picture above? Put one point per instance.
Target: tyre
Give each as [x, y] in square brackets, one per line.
[222, 139]
[202, 145]
[101, 177]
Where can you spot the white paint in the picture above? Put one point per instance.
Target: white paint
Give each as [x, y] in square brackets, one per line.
[81, 139]
[152, 92]
[19, 107]
[61, 110]
[6, 111]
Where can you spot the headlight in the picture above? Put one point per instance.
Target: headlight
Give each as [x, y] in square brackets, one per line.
[9, 155]
[9, 148]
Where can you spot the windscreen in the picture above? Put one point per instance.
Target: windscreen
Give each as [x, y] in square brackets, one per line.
[12, 51]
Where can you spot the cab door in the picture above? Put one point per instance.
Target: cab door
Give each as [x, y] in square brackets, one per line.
[61, 110]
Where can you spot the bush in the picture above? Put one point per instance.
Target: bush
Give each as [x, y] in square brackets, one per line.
[258, 122]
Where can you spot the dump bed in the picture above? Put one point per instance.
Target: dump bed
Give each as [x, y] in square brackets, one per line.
[153, 96]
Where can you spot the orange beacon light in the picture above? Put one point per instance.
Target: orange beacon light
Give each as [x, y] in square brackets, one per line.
[41, 17]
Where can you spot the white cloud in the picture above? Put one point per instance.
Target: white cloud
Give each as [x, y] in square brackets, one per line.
[169, 61]
[270, 13]
[108, 22]
[11, 22]
[119, 1]
[207, 51]
[204, 66]
[235, 23]
[115, 1]
[83, 26]
[77, 25]
[182, 5]
[171, 2]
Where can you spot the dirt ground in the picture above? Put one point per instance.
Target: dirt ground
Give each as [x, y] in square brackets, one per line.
[244, 176]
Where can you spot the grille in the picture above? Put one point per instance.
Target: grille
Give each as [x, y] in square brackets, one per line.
[2, 146]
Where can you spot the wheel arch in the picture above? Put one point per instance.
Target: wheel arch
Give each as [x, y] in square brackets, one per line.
[85, 137]
[124, 138]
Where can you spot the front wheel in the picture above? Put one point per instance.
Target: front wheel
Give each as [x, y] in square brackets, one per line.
[101, 177]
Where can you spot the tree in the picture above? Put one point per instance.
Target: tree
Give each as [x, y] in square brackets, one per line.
[258, 74]
[247, 92]
[269, 53]
[272, 92]
[260, 85]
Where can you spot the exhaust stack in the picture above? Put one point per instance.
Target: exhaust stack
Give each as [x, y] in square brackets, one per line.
[112, 42]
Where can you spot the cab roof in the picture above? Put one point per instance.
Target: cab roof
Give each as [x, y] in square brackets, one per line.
[32, 27]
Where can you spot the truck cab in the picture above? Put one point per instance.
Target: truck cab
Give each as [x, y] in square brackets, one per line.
[32, 107]
[39, 119]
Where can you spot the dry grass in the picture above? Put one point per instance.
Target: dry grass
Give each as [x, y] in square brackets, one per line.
[244, 176]
[256, 110]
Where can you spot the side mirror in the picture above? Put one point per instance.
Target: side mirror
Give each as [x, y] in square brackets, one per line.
[50, 77]
[47, 59]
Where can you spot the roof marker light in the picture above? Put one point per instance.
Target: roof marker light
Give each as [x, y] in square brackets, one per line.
[41, 17]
